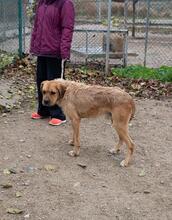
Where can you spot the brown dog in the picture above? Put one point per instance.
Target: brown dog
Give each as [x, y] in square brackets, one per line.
[82, 101]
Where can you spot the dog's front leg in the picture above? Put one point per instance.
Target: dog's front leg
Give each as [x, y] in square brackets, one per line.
[75, 142]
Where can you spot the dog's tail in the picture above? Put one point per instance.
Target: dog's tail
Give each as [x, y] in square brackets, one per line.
[133, 109]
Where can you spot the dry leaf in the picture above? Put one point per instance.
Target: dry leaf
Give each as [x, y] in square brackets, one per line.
[6, 171]
[49, 167]
[18, 194]
[13, 171]
[77, 184]
[27, 216]
[135, 86]
[14, 211]
[142, 173]
[82, 165]
[6, 185]
[146, 192]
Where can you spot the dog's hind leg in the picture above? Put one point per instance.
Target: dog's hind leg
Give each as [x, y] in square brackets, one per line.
[120, 123]
[126, 138]
[75, 141]
[117, 147]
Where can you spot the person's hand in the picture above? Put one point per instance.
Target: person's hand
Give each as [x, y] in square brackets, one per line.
[65, 60]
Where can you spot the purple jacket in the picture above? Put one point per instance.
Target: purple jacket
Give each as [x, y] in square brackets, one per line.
[53, 29]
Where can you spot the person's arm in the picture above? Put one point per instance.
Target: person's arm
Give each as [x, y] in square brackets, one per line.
[35, 20]
[67, 24]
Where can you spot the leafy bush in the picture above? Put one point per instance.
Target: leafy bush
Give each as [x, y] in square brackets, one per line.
[164, 73]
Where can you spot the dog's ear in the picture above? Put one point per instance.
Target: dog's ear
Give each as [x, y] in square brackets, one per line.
[42, 84]
[61, 90]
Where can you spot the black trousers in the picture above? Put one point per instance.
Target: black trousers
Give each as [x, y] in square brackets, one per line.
[48, 68]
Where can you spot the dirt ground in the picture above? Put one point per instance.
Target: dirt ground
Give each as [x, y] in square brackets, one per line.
[103, 190]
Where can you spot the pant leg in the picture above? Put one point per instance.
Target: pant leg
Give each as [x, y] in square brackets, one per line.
[41, 75]
[53, 72]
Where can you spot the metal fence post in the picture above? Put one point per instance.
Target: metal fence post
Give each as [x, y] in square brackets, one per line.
[134, 18]
[3, 22]
[98, 9]
[86, 47]
[147, 31]
[125, 12]
[24, 25]
[108, 37]
[20, 27]
[125, 49]
[125, 56]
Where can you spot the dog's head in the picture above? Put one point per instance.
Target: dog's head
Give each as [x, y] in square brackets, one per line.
[52, 92]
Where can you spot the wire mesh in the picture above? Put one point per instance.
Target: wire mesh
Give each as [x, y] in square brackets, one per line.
[91, 26]
[91, 32]
[9, 26]
[159, 32]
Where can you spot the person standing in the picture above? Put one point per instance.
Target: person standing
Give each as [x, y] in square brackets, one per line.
[51, 42]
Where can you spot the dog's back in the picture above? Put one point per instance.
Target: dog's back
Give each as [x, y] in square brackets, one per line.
[93, 100]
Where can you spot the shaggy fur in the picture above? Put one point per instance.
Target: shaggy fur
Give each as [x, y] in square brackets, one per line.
[83, 101]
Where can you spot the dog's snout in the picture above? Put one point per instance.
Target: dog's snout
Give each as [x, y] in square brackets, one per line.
[46, 102]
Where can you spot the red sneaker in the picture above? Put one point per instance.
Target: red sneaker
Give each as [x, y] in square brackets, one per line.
[35, 115]
[56, 122]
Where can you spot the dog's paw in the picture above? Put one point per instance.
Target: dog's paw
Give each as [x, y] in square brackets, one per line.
[123, 163]
[71, 142]
[72, 153]
[114, 151]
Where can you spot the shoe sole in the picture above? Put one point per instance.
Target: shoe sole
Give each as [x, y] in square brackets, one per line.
[36, 118]
[57, 124]
[42, 117]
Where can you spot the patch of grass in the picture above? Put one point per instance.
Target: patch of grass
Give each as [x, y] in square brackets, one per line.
[83, 69]
[164, 73]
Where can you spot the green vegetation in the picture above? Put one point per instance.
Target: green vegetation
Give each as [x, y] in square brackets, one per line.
[6, 59]
[164, 73]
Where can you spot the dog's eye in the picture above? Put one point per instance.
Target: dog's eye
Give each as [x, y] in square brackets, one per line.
[43, 92]
[53, 93]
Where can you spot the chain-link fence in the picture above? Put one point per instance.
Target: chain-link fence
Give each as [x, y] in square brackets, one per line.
[9, 25]
[13, 26]
[150, 32]
[160, 34]
[107, 32]
[100, 35]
